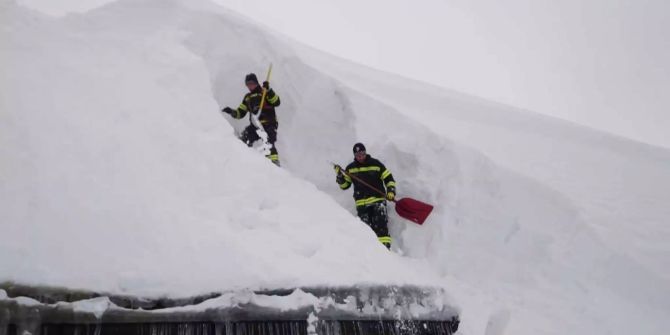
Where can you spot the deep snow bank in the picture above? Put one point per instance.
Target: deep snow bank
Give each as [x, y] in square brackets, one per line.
[119, 173]
[558, 218]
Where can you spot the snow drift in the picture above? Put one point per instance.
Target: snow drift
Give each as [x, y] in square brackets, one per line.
[121, 175]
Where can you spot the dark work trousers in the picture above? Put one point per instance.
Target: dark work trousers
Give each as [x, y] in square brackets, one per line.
[249, 136]
[375, 216]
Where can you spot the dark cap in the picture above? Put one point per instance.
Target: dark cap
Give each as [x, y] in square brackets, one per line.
[251, 77]
[358, 147]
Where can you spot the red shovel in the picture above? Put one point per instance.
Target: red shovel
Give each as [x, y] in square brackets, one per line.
[412, 209]
[408, 208]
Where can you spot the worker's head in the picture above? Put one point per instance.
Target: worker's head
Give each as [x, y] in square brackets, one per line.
[359, 152]
[251, 81]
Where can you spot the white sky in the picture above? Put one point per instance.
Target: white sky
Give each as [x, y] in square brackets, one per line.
[600, 63]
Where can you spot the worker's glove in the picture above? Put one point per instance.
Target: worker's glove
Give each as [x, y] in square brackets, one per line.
[340, 176]
[228, 110]
[266, 85]
[390, 196]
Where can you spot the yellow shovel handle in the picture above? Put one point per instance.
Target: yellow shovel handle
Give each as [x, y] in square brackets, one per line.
[260, 109]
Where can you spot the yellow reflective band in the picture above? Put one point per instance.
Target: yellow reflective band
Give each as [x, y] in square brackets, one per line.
[390, 184]
[273, 157]
[384, 239]
[242, 107]
[368, 201]
[364, 169]
[345, 185]
[386, 173]
[347, 178]
[273, 99]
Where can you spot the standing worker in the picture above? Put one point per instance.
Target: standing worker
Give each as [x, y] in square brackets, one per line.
[267, 118]
[370, 206]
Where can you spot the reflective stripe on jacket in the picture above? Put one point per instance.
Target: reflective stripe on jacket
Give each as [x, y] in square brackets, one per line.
[252, 102]
[373, 172]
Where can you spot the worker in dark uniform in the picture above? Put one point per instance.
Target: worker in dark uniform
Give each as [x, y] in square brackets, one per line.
[267, 118]
[370, 205]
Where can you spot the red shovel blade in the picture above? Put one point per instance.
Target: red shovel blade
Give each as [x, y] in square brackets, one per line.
[413, 210]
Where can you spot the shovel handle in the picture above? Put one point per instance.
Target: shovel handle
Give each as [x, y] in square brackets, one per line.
[362, 182]
[267, 78]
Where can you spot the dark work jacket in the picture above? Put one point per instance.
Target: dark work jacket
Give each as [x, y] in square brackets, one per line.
[373, 172]
[251, 103]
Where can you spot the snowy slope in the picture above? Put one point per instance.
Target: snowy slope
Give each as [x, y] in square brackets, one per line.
[118, 173]
[585, 228]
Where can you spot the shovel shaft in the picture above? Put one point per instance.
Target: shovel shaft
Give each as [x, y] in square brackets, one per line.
[364, 183]
[267, 78]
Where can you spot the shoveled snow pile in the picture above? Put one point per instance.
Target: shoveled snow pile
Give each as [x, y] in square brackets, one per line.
[119, 173]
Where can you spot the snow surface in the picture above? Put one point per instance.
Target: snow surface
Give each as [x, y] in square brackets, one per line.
[123, 176]
[119, 174]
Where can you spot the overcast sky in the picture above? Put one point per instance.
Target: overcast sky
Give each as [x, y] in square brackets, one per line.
[600, 63]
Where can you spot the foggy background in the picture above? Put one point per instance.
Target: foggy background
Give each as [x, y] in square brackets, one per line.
[599, 63]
